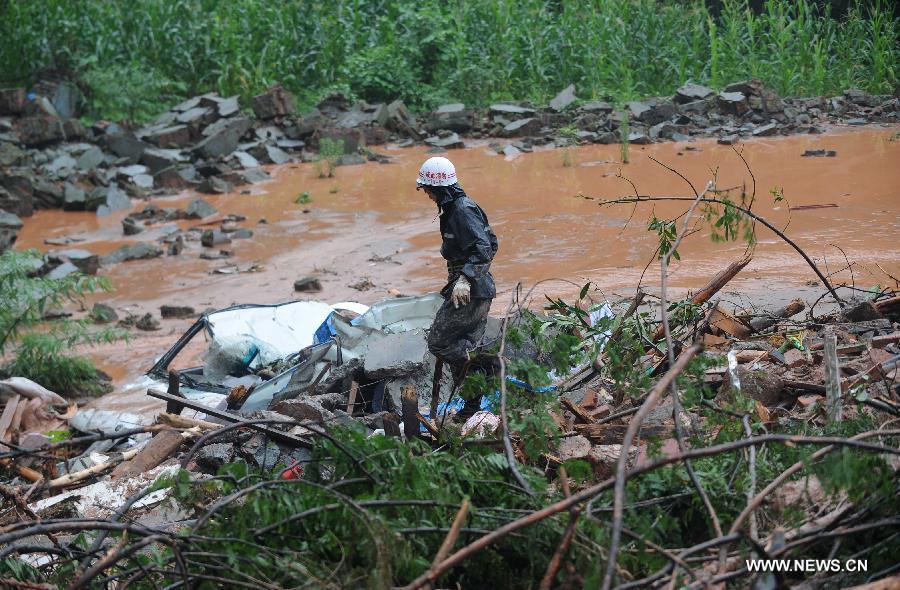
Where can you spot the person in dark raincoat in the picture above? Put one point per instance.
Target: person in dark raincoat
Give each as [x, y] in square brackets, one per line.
[468, 245]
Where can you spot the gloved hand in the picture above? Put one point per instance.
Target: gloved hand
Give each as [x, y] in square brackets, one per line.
[461, 294]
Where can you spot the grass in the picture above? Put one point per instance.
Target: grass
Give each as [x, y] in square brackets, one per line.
[431, 51]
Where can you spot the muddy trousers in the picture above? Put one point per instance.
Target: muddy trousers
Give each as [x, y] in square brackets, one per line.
[455, 333]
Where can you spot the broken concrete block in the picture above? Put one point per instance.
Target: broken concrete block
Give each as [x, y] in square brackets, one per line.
[397, 355]
[214, 237]
[574, 447]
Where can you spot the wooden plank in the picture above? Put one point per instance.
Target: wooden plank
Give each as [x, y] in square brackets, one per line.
[832, 377]
[793, 308]
[882, 341]
[351, 400]
[409, 402]
[581, 415]
[161, 447]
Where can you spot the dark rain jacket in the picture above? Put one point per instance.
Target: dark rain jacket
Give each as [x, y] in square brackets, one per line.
[469, 244]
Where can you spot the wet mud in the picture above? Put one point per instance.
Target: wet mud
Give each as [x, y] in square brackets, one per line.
[369, 221]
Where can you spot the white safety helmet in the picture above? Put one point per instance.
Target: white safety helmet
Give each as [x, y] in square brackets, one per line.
[437, 171]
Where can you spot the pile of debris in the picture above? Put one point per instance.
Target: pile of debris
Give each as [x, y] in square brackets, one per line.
[276, 379]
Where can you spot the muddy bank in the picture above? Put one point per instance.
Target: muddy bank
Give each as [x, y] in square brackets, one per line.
[369, 223]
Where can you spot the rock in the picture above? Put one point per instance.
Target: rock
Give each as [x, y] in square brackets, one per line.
[274, 102]
[245, 160]
[229, 106]
[453, 117]
[510, 151]
[522, 127]
[597, 106]
[746, 87]
[131, 227]
[156, 159]
[126, 145]
[74, 197]
[212, 457]
[214, 237]
[763, 386]
[113, 200]
[574, 447]
[666, 130]
[62, 271]
[90, 159]
[253, 175]
[103, 314]
[15, 204]
[12, 101]
[565, 98]
[175, 136]
[197, 116]
[510, 109]
[857, 121]
[176, 247]
[148, 323]
[169, 178]
[397, 355]
[47, 195]
[860, 98]
[10, 154]
[352, 139]
[608, 137]
[451, 141]
[225, 138]
[198, 209]
[241, 233]
[178, 312]
[351, 160]
[397, 118]
[728, 140]
[733, 103]
[276, 155]
[638, 138]
[137, 251]
[766, 130]
[214, 186]
[61, 167]
[819, 154]
[10, 224]
[307, 284]
[691, 92]
[861, 311]
[86, 262]
[39, 131]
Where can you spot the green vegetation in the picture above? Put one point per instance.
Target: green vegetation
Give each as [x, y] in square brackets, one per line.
[330, 152]
[39, 349]
[303, 198]
[431, 52]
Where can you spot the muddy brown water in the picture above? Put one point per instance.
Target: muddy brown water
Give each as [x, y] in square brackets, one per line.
[369, 221]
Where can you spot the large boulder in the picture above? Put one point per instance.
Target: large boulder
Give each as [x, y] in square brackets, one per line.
[138, 251]
[733, 103]
[453, 117]
[85, 261]
[12, 101]
[224, 139]
[274, 102]
[397, 118]
[523, 127]
[40, 131]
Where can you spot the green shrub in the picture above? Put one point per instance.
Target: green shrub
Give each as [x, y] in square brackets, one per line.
[33, 347]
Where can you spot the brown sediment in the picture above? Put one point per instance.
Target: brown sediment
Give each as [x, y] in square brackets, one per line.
[545, 231]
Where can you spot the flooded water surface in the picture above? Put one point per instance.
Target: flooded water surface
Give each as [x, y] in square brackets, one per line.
[369, 222]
